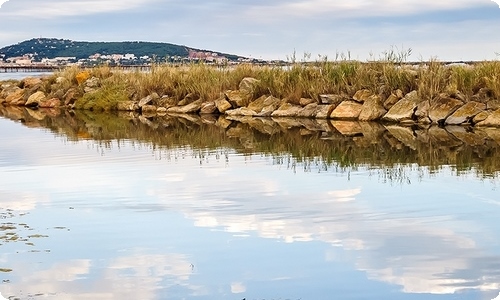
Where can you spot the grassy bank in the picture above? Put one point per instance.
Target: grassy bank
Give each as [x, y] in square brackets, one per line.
[292, 83]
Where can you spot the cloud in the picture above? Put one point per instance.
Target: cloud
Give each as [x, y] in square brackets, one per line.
[51, 9]
[2, 2]
[497, 2]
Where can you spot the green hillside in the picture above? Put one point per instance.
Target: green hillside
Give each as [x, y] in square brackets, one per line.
[50, 48]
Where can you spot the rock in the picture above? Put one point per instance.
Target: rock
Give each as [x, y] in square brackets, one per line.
[287, 110]
[9, 90]
[268, 102]
[187, 109]
[492, 120]
[442, 107]
[465, 114]
[127, 106]
[241, 111]
[81, 77]
[188, 99]
[30, 82]
[167, 102]
[237, 98]
[222, 105]
[422, 112]
[481, 116]
[391, 100]
[309, 111]
[404, 109]
[148, 99]
[306, 101]
[35, 99]
[332, 99]
[49, 103]
[16, 98]
[149, 109]
[208, 108]
[347, 110]
[372, 109]
[362, 95]
[248, 85]
[324, 111]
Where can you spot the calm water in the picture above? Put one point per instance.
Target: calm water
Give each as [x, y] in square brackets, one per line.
[94, 207]
[21, 75]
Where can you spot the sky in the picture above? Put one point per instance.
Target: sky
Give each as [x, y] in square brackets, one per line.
[278, 29]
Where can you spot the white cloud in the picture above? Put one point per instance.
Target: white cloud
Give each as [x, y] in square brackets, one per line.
[497, 2]
[2, 2]
[51, 9]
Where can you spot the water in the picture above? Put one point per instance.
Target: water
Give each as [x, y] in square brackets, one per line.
[21, 75]
[100, 207]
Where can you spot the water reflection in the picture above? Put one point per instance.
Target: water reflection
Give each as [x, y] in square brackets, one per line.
[210, 208]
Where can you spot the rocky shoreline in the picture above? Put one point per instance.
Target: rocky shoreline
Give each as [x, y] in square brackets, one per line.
[450, 108]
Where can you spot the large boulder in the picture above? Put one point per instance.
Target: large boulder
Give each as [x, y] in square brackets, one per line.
[324, 111]
[422, 112]
[372, 109]
[442, 107]
[492, 120]
[35, 99]
[9, 90]
[404, 109]
[332, 99]
[287, 110]
[347, 110]
[306, 101]
[148, 100]
[237, 98]
[248, 85]
[193, 107]
[222, 105]
[167, 102]
[466, 113]
[393, 98]
[309, 111]
[208, 108]
[16, 98]
[241, 111]
[269, 102]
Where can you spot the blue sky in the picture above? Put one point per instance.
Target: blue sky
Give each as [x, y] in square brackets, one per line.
[447, 30]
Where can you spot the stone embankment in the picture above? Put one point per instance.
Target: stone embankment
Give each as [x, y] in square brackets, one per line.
[482, 109]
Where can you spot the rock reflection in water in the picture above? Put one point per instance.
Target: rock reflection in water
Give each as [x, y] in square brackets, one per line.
[338, 143]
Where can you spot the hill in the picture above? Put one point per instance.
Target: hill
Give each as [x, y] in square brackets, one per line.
[50, 48]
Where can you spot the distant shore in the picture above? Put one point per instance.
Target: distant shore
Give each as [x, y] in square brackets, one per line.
[459, 93]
